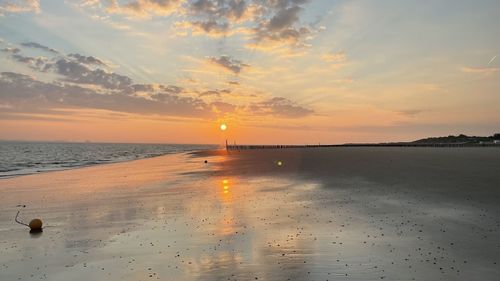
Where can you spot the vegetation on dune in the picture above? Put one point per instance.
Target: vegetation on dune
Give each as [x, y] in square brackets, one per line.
[459, 139]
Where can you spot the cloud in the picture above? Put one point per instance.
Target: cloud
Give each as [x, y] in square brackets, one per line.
[225, 9]
[209, 27]
[284, 18]
[11, 50]
[265, 39]
[264, 24]
[339, 57]
[281, 107]
[216, 18]
[107, 20]
[25, 93]
[19, 6]
[282, 27]
[76, 72]
[88, 60]
[89, 3]
[481, 70]
[74, 68]
[171, 89]
[344, 81]
[116, 92]
[214, 93]
[210, 93]
[410, 112]
[35, 63]
[141, 8]
[39, 46]
[230, 64]
[82, 83]
[222, 107]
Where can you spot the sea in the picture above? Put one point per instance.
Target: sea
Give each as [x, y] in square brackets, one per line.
[24, 158]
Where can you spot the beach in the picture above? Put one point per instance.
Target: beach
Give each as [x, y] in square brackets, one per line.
[352, 213]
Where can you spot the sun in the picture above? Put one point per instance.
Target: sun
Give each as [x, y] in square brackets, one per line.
[223, 127]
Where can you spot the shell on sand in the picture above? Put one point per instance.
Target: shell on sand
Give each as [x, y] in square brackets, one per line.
[35, 224]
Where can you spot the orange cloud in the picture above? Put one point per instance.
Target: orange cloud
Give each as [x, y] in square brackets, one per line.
[143, 8]
[20, 6]
[339, 57]
[481, 70]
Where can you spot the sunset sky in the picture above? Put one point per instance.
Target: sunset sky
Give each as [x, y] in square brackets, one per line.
[275, 71]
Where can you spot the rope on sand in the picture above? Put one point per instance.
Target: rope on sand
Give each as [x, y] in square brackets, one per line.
[20, 222]
[35, 225]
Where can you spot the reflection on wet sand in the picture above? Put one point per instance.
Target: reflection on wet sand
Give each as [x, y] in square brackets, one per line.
[162, 225]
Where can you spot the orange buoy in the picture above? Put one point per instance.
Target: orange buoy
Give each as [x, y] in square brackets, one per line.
[35, 225]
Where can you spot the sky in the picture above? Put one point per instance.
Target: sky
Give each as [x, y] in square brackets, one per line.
[274, 71]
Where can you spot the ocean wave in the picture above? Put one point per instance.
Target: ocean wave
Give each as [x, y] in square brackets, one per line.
[23, 158]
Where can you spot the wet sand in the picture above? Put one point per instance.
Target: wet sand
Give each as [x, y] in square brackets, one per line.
[323, 214]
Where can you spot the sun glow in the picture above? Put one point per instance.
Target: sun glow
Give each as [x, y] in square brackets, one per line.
[223, 127]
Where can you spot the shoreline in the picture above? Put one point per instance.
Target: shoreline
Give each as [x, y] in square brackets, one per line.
[93, 164]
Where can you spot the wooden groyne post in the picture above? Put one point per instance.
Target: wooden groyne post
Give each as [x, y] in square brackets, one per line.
[246, 147]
